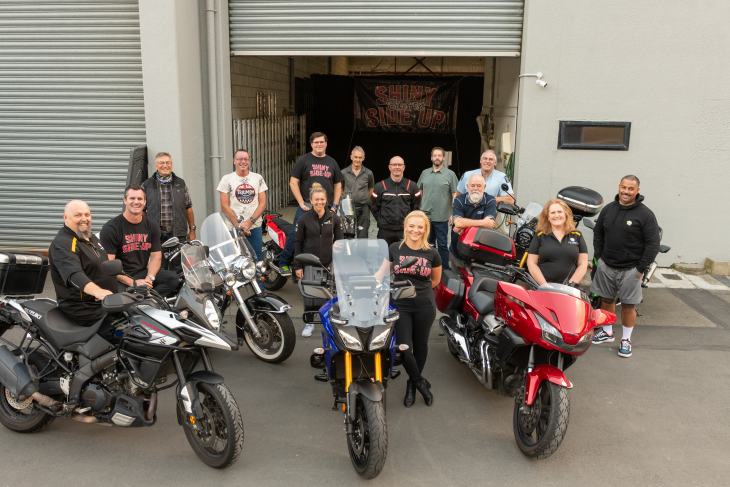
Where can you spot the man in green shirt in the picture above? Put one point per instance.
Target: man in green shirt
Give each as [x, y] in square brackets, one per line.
[438, 184]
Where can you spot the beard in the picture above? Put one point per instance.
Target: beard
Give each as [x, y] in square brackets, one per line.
[475, 197]
[85, 234]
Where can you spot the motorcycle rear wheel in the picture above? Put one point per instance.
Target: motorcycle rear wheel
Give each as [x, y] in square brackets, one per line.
[368, 446]
[274, 281]
[278, 336]
[27, 419]
[539, 432]
[219, 441]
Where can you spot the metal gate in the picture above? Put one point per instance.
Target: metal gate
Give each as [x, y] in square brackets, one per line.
[71, 108]
[274, 145]
[376, 27]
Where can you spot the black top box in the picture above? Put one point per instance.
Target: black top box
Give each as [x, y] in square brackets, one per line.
[22, 272]
[582, 201]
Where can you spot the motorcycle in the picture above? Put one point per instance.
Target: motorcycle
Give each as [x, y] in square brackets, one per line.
[519, 341]
[62, 370]
[262, 320]
[359, 344]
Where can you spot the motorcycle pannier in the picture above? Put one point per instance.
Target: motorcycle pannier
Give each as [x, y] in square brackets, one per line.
[22, 272]
[486, 245]
[450, 292]
[582, 201]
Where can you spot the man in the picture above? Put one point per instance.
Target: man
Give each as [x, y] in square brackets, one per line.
[474, 209]
[132, 238]
[360, 182]
[493, 179]
[393, 199]
[438, 184]
[168, 202]
[313, 167]
[625, 243]
[75, 257]
[243, 194]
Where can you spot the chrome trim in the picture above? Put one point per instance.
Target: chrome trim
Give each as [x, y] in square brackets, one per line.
[579, 204]
[122, 419]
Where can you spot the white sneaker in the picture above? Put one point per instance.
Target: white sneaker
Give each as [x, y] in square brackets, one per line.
[308, 329]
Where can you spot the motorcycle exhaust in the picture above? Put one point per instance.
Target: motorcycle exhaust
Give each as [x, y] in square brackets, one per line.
[44, 400]
[15, 376]
[456, 338]
[649, 272]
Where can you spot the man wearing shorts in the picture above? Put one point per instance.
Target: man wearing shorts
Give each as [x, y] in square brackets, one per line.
[625, 243]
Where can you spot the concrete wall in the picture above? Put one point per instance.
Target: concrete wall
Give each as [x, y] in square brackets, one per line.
[656, 65]
[379, 64]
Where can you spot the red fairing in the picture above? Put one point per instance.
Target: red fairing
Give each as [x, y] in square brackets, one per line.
[467, 237]
[443, 296]
[275, 233]
[539, 374]
[574, 315]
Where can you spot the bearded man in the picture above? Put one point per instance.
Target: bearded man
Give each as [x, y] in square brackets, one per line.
[473, 209]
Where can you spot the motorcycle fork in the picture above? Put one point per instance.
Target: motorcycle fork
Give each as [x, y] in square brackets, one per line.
[244, 309]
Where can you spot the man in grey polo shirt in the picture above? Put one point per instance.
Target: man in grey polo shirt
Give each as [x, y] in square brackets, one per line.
[438, 184]
[360, 182]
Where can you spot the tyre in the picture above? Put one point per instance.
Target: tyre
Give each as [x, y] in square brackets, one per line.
[218, 439]
[278, 336]
[368, 445]
[274, 281]
[540, 430]
[21, 417]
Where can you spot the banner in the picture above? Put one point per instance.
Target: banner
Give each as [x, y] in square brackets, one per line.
[406, 106]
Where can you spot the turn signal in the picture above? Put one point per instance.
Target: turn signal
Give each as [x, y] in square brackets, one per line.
[319, 351]
[192, 419]
[403, 347]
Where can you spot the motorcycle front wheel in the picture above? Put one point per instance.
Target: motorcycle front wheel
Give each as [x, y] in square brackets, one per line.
[278, 336]
[368, 445]
[218, 436]
[274, 281]
[540, 430]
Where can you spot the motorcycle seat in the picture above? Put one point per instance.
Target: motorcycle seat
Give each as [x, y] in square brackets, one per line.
[481, 294]
[283, 225]
[56, 326]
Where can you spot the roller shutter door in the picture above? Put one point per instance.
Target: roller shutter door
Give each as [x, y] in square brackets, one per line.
[381, 27]
[71, 108]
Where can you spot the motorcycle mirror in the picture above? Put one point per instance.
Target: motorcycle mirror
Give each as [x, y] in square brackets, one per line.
[504, 207]
[170, 242]
[112, 267]
[589, 223]
[409, 261]
[308, 259]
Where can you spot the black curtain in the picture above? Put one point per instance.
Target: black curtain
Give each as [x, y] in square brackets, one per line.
[333, 99]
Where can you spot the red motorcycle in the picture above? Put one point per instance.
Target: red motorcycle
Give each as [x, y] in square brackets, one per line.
[518, 340]
[277, 228]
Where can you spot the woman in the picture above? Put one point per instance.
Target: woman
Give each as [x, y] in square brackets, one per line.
[316, 231]
[416, 314]
[558, 252]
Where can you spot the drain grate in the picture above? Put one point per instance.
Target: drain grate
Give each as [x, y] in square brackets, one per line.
[673, 277]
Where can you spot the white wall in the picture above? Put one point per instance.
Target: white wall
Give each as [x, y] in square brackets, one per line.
[660, 66]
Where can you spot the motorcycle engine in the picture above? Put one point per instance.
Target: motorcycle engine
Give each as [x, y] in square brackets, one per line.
[96, 397]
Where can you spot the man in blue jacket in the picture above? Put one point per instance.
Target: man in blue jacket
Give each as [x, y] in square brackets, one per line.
[473, 209]
[625, 243]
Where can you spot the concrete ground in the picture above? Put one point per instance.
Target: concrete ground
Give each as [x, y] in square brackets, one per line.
[658, 418]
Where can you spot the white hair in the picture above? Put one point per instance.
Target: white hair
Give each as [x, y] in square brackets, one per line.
[358, 148]
[477, 175]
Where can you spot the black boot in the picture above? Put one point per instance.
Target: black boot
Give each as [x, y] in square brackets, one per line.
[423, 387]
[410, 398]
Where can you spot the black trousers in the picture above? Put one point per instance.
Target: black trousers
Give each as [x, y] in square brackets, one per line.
[390, 237]
[363, 221]
[165, 282]
[413, 328]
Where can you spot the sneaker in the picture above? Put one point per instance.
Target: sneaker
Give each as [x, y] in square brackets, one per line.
[603, 337]
[285, 271]
[308, 329]
[625, 350]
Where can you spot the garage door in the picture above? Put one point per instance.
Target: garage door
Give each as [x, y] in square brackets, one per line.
[381, 27]
[71, 108]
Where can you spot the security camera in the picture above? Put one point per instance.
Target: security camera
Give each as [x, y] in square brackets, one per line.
[541, 83]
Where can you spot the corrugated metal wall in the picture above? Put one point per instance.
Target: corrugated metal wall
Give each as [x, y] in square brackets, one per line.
[352, 28]
[71, 108]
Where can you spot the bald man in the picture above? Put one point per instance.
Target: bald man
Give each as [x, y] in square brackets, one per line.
[393, 199]
[75, 257]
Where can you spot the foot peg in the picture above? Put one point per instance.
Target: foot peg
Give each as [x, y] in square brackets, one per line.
[395, 374]
[323, 377]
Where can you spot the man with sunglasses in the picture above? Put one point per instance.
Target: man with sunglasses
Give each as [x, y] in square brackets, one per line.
[393, 199]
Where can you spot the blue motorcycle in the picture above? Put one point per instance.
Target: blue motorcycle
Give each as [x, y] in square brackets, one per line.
[359, 344]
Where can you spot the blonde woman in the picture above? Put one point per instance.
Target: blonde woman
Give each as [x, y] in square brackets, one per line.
[558, 252]
[416, 314]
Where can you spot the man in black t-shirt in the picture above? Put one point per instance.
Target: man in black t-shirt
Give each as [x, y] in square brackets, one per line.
[133, 239]
[313, 167]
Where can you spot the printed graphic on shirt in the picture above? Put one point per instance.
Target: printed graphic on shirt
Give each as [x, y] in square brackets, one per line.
[322, 170]
[136, 241]
[422, 267]
[245, 193]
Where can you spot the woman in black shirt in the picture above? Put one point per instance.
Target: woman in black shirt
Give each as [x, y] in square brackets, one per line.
[416, 314]
[558, 252]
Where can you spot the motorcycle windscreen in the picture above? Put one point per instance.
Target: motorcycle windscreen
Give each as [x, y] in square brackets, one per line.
[532, 211]
[362, 276]
[223, 246]
[347, 207]
[194, 266]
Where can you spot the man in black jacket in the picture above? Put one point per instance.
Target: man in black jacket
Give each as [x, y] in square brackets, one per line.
[625, 243]
[393, 199]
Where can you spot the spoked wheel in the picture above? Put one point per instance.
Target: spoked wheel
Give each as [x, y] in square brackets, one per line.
[274, 280]
[21, 416]
[217, 438]
[540, 429]
[277, 339]
[368, 445]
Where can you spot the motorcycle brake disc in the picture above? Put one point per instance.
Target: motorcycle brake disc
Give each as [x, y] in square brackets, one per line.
[207, 437]
[14, 403]
[267, 336]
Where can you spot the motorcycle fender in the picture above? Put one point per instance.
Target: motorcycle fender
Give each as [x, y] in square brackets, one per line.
[539, 374]
[372, 390]
[267, 302]
[189, 395]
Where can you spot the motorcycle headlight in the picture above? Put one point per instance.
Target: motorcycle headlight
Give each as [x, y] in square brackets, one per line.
[524, 237]
[351, 342]
[260, 267]
[379, 341]
[211, 314]
[549, 332]
[246, 268]
[230, 279]
[585, 338]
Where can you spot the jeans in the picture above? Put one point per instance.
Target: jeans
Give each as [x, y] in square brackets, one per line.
[440, 233]
[363, 220]
[287, 254]
[165, 282]
[256, 240]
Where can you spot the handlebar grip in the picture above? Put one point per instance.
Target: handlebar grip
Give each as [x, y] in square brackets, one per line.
[137, 289]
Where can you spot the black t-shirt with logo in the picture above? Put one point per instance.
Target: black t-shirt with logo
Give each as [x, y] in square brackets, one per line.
[558, 260]
[420, 273]
[323, 170]
[131, 243]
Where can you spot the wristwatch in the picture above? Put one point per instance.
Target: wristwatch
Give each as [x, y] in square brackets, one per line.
[193, 227]
[152, 278]
[253, 219]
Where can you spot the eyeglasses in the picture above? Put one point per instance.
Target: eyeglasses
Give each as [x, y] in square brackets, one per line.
[397, 165]
[319, 142]
[239, 159]
[164, 163]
